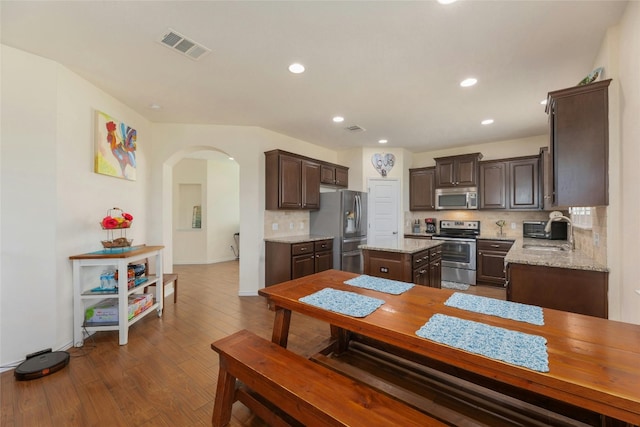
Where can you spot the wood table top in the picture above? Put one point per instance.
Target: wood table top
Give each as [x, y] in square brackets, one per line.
[118, 252]
[593, 363]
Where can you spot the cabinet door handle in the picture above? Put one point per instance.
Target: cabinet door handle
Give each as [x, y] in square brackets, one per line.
[479, 253]
[303, 249]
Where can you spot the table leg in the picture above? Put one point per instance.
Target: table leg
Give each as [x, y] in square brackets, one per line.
[342, 337]
[281, 327]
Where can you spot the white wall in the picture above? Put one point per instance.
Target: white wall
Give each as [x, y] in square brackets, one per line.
[52, 201]
[247, 146]
[189, 244]
[490, 151]
[624, 245]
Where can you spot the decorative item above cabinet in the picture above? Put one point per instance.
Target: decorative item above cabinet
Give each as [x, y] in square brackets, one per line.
[293, 181]
[457, 171]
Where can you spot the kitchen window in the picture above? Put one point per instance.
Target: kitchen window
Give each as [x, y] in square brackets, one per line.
[581, 217]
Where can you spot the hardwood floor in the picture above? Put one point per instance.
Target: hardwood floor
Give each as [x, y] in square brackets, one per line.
[166, 375]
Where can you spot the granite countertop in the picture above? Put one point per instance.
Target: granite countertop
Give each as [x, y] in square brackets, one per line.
[297, 239]
[406, 246]
[575, 260]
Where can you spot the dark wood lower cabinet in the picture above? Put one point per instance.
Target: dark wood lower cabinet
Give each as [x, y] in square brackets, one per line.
[286, 261]
[422, 268]
[490, 261]
[577, 291]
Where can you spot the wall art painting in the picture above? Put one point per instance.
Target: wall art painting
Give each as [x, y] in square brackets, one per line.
[115, 148]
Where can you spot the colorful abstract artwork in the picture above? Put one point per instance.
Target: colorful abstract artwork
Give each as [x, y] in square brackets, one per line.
[115, 150]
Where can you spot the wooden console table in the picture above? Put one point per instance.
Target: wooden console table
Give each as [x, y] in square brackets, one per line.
[87, 279]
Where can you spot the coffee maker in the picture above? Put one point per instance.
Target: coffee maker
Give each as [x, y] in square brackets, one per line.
[430, 225]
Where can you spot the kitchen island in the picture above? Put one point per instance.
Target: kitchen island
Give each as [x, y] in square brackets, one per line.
[546, 273]
[414, 260]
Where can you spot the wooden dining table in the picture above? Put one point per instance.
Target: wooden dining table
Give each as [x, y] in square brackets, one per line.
[594, 363]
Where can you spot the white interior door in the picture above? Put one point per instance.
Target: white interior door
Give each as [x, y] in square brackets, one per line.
[384, 200]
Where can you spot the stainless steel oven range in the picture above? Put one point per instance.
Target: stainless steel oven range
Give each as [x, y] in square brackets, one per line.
[459, 250]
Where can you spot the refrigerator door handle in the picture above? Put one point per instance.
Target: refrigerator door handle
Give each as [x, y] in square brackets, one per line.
[358, 211]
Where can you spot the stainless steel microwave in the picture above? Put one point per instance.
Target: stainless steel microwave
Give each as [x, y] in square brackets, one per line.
[457, 198]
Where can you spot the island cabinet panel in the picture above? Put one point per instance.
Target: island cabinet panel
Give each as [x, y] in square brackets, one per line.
[422, 185]
[388, 265]
[579, 144]
[286, 261]
[576, 291]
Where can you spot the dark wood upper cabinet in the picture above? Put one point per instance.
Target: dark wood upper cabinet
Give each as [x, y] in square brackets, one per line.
[293, 181]
[524, 183]
[334, 175]
[290, 182]
[422, 189]
[310, 185]
[457, 171]
[493, 185]
[579, 144]
[511, 184]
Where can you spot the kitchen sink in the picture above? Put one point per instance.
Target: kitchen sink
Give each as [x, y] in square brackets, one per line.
[544, 248]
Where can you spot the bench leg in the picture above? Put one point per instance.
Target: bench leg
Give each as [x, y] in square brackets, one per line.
[225, 396]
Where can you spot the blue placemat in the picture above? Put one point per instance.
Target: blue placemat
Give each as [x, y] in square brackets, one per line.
[506, 309]
[114, 250]
[343, 302]
[380, 284]
[517, 348]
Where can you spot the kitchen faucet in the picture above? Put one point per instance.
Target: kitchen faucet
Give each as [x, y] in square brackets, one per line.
[557, 216]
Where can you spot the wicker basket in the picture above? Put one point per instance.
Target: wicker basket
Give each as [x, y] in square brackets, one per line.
[116, 239]
[120, 242]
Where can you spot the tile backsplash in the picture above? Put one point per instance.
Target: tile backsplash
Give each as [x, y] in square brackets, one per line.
[487, 219]
[285, 223]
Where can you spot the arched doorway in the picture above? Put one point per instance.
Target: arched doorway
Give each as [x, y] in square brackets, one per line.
[201, 200]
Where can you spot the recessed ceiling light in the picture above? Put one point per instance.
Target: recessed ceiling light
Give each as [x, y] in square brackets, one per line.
[487, 121]
[296, 68]
[468, 82]
[382, 141]
[544, 101]
[446, 1]
[155, 107]
[338, 119]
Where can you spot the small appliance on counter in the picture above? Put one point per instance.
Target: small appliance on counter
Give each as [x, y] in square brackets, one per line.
[416, 226]
[431, 225]
[535, 230]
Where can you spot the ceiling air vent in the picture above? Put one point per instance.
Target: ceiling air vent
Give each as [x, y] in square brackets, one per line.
[179, 43]
[355, 128]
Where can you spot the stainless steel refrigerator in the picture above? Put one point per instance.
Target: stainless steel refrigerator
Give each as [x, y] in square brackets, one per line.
[343, 215]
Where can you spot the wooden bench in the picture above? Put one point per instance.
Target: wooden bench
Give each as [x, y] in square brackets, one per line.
[166, 279]
[284, 389]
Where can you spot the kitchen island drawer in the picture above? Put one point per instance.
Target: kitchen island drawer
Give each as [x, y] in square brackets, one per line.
[420, 259]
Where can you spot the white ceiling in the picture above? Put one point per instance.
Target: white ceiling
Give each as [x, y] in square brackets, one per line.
[391, 67]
